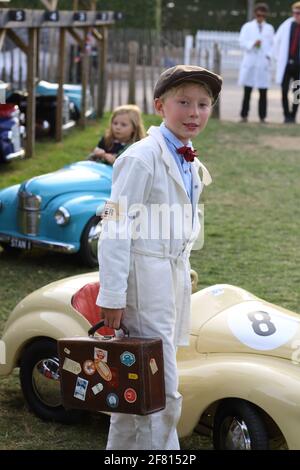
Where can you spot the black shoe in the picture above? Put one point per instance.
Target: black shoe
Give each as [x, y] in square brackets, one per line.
[244, 119]
[263, 121]
[289, 120]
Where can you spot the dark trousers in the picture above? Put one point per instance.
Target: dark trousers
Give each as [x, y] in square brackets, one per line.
[262, 102]
[292, 72]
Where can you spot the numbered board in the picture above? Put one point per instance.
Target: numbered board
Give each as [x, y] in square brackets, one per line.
[17, 15]
[80, 16]
[52, 16]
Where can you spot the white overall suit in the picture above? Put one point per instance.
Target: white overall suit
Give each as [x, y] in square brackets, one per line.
[150, 276]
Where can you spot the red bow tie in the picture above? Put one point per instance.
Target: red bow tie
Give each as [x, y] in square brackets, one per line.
[188, 153]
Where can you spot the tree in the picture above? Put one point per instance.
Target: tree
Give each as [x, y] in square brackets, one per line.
[189, 15]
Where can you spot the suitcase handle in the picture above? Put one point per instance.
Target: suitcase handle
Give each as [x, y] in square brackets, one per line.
[100, 324]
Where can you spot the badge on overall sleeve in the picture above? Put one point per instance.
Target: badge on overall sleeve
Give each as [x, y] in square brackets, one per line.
[110, 211]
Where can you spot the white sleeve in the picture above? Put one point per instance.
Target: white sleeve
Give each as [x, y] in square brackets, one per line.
[132, 179]
[277, 41]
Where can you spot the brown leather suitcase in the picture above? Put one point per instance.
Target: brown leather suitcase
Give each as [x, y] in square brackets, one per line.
[116, 374]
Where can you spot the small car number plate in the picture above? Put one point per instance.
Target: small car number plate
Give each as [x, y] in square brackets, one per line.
[19, 243]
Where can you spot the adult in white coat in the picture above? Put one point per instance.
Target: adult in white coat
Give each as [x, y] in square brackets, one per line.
[144, 259]
[287, 53]
[256, 40]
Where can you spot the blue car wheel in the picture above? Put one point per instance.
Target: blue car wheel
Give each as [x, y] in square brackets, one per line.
[88, 252]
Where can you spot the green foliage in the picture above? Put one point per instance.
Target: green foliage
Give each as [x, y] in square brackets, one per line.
[189, 15]
[220, 15]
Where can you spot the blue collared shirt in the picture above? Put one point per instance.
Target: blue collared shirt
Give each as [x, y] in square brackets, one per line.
[184, 167]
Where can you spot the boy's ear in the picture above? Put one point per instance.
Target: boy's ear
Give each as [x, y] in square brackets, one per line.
[159, 106]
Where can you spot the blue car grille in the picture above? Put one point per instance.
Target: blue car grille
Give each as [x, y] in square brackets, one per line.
[29, 213]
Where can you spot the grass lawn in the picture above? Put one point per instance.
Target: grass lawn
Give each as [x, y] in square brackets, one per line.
[252, 218]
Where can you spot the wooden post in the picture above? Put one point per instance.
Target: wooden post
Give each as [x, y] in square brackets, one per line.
[102, 60]
[93, 6]
[60, 91]
[199, 56]
[84, 81]
[152, 72]
[112, 76]
[250, 9]
[133, 51]
[2, 38]
[92, 78]
[121, 47]
[31, 70]
[52, 51]
[38, 49]
[11, 73]
[20, 71]
[206, 59]
[145, 101]
[158, 16]
[217, 69]
[50, 4]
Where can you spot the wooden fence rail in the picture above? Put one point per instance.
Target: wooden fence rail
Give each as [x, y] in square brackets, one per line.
[135, 59]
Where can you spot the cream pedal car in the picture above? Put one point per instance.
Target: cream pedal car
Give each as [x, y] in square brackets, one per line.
[239, 378]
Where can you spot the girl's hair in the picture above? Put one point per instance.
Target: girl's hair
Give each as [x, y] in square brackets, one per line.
[135, 117]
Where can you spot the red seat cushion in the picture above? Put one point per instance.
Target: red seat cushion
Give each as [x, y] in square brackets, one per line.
[84, 301]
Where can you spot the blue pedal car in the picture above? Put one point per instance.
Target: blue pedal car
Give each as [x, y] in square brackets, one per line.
[57, 211]
[73, 92]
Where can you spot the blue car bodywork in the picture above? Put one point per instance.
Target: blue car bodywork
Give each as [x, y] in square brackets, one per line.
[57, 211]
[73, 92]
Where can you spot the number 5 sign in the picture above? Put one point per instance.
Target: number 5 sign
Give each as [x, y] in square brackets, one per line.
[262, 329]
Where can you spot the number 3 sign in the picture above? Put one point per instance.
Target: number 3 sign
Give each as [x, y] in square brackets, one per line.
[262, 329]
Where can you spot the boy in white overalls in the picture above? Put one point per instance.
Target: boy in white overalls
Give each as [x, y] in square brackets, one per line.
[144, 258]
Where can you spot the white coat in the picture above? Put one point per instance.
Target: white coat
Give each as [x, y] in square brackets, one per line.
[150, 276]
[256, 66]
[281, 48]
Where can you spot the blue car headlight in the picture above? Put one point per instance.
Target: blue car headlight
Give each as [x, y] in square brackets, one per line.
[62, 216]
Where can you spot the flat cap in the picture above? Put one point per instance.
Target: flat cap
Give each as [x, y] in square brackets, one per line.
[181, 73]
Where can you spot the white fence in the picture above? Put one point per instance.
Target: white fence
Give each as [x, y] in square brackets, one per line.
[199, 50]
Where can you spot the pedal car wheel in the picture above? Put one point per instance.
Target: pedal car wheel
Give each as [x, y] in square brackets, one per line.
[39, 377]
[239, 426]
[89, 242]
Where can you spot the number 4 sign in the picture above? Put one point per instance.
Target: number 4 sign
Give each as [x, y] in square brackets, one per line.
[264, 329]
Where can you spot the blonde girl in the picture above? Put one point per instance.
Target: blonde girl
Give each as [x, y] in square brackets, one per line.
[126, 127]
